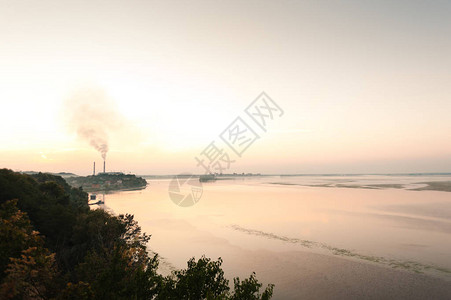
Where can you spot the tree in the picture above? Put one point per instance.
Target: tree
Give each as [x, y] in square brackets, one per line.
[31, 276]
[205, 279]
[115, 262]
[30, 271]
[201, 280]
[249, 289]
[16, 233]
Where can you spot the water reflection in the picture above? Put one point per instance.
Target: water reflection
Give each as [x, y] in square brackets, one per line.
[387, 225]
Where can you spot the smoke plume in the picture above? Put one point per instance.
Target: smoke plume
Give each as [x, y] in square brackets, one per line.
[93, 116]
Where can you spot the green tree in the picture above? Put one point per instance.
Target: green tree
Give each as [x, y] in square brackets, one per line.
[204, 279]
[115, 259]
[249, 289]
[201, 280]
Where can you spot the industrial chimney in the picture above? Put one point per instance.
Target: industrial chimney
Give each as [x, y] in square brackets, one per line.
[94, 169]
[103, 166]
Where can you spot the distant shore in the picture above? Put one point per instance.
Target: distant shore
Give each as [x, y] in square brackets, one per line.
[440, 186]
[114, 181]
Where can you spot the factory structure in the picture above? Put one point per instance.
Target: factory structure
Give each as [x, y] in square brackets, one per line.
[94, 169]
[105, 180]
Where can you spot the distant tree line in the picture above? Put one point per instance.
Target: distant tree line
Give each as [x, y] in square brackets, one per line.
[52, 246]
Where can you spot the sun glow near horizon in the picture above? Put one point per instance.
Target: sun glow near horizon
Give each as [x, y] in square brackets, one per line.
[364, 89]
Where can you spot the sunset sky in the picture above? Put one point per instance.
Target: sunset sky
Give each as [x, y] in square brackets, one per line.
[365, 85]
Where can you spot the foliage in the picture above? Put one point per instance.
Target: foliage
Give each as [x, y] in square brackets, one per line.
[248, 289]
[205, 279]
[32, 275]
[31, 270]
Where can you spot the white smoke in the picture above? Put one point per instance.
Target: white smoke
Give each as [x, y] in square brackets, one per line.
[93, 116]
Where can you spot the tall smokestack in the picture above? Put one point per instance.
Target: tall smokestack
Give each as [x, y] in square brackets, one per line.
[94, 170]
[103, 166]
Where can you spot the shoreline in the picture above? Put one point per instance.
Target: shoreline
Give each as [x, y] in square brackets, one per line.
[115, 190]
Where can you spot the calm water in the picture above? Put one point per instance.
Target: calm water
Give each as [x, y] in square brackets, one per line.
[242, 219]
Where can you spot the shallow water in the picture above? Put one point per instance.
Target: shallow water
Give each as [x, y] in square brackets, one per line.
[271, 216]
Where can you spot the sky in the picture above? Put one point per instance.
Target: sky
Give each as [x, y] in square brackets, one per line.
[364, 85]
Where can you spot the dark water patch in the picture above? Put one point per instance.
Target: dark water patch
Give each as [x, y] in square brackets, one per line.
[441, 186]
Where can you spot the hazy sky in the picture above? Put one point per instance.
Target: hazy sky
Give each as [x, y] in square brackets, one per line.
[365, 85]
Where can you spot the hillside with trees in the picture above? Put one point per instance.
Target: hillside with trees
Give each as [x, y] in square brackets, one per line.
[52, 246]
